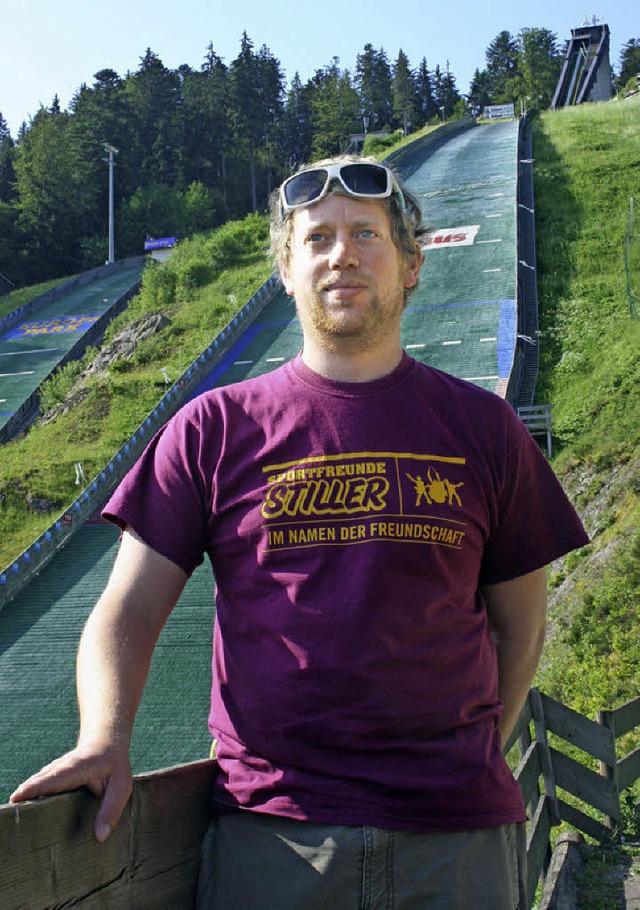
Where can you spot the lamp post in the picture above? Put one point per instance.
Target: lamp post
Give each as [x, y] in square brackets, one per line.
[111, 151]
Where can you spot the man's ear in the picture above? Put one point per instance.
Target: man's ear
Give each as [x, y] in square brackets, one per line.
[412, 268]
[286, 280]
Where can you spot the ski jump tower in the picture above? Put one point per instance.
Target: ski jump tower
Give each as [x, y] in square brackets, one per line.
[586, 72]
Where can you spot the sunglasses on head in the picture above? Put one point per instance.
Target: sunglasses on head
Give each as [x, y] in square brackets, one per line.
[359, 179]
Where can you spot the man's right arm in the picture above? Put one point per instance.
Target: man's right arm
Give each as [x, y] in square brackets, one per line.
[112, 667]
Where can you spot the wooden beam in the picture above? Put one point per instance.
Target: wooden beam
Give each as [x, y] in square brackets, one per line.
[623, 719]
[588, 786]
[579, 730]
[51, 858]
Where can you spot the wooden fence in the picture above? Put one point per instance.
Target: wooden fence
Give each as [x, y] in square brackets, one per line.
[51, 859]
[544, 769]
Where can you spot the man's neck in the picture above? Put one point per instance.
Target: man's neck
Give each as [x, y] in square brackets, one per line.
[349, 366]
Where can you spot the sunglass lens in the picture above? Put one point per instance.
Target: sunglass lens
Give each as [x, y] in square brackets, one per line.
[305, 187]
[365, 179]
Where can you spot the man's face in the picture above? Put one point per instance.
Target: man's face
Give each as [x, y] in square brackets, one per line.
[347, 276]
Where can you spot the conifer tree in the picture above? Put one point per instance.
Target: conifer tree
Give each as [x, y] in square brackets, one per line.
[540, 64]
[297, 124]
[629, 63]
[335, 110]
[153, 92]
[206, 120]
[404, 93]
[373, 82]
[425, 103]
[502, 57]
[7, 156]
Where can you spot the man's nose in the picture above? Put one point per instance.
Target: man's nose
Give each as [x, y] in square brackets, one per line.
[343, 253]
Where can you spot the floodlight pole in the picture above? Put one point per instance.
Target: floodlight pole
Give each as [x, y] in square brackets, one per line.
[111, 151]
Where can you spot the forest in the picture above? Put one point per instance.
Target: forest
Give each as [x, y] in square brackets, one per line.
[199, 146]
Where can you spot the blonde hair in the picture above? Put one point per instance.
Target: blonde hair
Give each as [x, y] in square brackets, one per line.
[405, 219]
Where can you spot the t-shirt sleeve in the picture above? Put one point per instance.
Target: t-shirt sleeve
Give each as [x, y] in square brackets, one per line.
[163, 496]
[535, 523]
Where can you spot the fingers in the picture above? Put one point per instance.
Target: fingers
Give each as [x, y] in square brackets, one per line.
[116, 797]
[59, 776]
[106, 774]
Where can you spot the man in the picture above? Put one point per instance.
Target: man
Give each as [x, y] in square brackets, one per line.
[379, 533]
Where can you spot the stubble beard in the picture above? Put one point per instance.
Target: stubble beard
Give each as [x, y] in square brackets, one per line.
[348, 326]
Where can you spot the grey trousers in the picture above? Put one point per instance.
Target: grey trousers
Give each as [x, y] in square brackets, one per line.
[252, 861]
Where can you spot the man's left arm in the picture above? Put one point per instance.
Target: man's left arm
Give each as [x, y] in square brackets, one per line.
[517, 612]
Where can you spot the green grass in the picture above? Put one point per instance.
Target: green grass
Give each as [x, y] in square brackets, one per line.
[601, 884]
[587, 167]
[382, 147]
[16, 299]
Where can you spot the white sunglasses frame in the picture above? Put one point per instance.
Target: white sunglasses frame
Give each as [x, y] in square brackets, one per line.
[333, 172]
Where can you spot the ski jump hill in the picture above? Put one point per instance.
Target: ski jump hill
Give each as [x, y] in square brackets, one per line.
[473, 315]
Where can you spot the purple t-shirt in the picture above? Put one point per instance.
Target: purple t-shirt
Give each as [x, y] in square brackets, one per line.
[349, 526]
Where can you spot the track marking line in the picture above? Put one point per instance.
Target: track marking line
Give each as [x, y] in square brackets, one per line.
[445, 343]
[22, 353]
[494, 338]
[486, 271]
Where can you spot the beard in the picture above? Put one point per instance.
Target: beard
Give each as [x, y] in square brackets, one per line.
[351, 324]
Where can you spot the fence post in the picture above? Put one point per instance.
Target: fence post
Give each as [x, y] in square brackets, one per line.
[607, 720]
[546, 763]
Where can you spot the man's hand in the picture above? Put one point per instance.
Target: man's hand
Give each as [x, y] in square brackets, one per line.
[105, 772]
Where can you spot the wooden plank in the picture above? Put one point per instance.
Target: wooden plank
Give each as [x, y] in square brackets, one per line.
[548, 770]
[528, 775]
[588, 786]
[535, 409]
[171, 814]
[538, 426]
[579, 730]
[51, 858]
[538, 847]
[585, 823]
[628, 770]
[626, 717]
[522, 725]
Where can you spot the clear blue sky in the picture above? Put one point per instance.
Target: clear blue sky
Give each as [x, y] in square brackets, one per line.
[50, 47]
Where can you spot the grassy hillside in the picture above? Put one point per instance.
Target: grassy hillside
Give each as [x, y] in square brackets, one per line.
[199, 289]
[587, 167]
